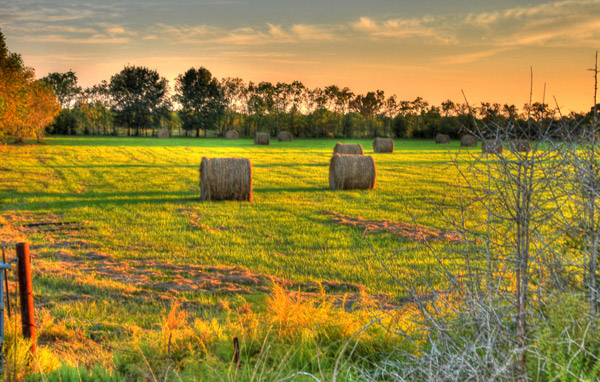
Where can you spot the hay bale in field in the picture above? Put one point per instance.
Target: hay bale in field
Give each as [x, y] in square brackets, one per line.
[348, 172]
[492, 146]
[285, 136]
[225, 179]
[520, 146]
[468, 141]
[383, 145]
[162, 133]
[348, 149]
[442, 138]
[262, 139]
[232, 134]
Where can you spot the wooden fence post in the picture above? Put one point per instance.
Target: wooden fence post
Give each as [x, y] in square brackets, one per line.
[26, 293]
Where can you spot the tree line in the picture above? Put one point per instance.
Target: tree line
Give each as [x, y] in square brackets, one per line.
[138, 101]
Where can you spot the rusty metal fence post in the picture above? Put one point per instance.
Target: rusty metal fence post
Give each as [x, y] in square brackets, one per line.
[3, 268]
[26, 293]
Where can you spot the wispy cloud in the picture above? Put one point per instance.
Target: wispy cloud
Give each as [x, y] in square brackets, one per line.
[467, 58]
[398, 28]
[84, 24]
[94, 39]
[117, 30]
[572, 22]
[44, 14]
[36, 28]
[267, 34]
[183, 34]
[397, 42]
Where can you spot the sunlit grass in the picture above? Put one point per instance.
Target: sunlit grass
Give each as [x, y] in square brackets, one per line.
[137, 200]
[140, 199]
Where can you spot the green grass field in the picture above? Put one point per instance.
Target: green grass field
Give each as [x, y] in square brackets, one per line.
[134, 232]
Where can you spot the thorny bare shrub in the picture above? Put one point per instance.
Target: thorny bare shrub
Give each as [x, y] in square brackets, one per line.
[482, 322]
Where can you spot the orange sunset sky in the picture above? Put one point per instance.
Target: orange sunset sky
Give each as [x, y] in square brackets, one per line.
[427, 48]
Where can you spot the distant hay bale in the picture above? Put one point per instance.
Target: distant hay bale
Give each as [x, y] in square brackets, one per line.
[348, 149]
[383, 145]
[520, 145]
[232, 134]
[262, 139]
[162, 133]
[225, 179]
[492, 146]
[468, 141]
[285, 136]
[442, 138]
[348, 172]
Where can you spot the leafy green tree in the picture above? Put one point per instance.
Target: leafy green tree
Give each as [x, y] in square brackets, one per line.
[323, 124]
[42, 108]
[65, 87]
[66, 122]
[201, 98]
[234, 95]
[282, 97]
[352, 124]
[448, 107]
[140, 97]
[400, 126]
[338, 100]
[26, 106]
[296, 91]
[369, 106]
[261, 103]
[99, 104]
[390, 108]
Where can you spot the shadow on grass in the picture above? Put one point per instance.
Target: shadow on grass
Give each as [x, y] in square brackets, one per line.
[169, 165]
[112, 165]
[289, 189]
[90, 199]
[147, 142]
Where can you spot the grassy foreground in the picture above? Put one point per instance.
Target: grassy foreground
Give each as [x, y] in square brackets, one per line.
[131, 268]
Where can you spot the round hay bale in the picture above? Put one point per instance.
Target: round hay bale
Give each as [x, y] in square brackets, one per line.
[383, 145]
[468, 141]
[262, 139]
[162, 133]
[349, 172]
[491, 146]
[225, 179]
[520, 146]
[232, 134]
[348, 149]
[285, 136]
[442, 138]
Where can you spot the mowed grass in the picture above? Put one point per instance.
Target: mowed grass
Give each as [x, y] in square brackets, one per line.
[110, 285]
[139, 199]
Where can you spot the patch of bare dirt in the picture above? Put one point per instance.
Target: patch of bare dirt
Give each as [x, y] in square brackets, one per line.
[165, 281]
[15, 227]
[65, 255]
[412, 232]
